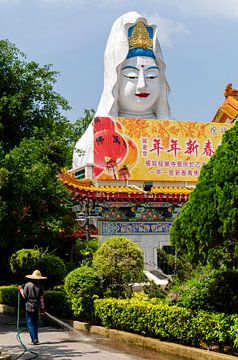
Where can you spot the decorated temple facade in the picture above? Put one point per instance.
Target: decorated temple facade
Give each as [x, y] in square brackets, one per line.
[144, 216]
[142, 172]
[134, 167]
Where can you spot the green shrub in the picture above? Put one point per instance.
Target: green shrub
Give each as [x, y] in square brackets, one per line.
[54, 268]
[153, 290]
[119, 262]
[214, 290]
[25, 261]
[212, 329]
[223, 292]
[142, 317]
[9, 295]
[194, 293]
[170, 323]
[57, 303]
[82, 285]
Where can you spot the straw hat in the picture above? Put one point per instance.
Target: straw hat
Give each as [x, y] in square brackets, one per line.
[36, 275]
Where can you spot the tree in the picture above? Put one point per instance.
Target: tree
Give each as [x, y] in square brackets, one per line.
[81, 124]
[35, 143]
[120, 263]
[207, 227]
[29, 106]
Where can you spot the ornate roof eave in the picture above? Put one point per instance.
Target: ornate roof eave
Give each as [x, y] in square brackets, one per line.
[86, 189]
[228, 110]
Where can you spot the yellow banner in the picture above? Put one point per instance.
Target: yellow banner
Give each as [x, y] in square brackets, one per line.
[157, 150]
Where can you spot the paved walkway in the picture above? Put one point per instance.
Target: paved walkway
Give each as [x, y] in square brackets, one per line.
[59, 344]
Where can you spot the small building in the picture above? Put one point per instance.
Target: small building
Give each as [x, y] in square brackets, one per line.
[144, 216]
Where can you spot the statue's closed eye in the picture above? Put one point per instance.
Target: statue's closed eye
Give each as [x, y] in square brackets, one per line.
[131, 76]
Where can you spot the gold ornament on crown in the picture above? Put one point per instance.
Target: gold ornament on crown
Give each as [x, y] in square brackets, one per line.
[140, 37]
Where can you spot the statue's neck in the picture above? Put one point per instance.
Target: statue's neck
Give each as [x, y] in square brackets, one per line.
[146, 115]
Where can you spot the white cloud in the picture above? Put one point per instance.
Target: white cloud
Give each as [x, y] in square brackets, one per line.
[166, 28]
[205, 8]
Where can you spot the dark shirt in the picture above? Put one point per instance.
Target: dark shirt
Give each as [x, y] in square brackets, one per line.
[32, 292]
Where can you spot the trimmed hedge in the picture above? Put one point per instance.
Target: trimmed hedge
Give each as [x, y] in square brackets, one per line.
[56, 302]
[8, 295]
[170, 323]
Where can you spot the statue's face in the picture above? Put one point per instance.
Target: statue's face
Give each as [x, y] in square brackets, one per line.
[138, 85]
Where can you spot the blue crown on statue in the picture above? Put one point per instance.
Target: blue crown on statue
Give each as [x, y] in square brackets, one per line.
[140, 39]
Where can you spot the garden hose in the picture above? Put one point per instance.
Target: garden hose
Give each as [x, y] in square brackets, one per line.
[18, 336]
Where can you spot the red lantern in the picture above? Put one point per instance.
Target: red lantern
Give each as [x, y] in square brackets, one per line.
[97, 171]
[103, 123]
[108, 145]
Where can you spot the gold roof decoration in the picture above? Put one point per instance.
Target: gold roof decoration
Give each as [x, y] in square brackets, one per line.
[228, 110]
[229, 91]
[140, 37]
[85, 188]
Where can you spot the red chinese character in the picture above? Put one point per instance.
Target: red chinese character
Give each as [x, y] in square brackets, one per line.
[192, 147]
[174, 147]
[208, 151]
[157, 147]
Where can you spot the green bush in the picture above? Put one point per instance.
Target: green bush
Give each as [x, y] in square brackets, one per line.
[119, 262]
[25, 261]
[223, 292]
[214, 290]
[54, 268]
[193, 294]
[82, 285]
[57, 303]
[153, 290]
[212, 329]
[170, 323]
[9, 295]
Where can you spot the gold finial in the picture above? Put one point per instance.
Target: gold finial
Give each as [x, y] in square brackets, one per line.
[140, 37]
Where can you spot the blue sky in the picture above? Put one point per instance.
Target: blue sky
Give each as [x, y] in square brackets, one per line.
[198, 40]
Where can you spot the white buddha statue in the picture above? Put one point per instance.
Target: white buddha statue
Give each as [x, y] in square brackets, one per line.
[134, 78]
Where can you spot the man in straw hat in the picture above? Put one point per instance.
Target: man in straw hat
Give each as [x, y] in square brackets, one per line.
[32, 292]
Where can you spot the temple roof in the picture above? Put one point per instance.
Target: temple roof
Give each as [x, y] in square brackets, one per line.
[228, 110]
[86, 188]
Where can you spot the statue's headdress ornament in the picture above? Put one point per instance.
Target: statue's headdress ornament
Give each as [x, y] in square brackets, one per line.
[140, 39]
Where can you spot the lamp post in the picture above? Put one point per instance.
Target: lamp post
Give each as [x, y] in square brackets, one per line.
[84, 212]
